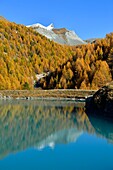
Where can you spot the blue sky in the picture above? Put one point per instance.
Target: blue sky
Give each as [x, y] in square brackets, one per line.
[88, 18]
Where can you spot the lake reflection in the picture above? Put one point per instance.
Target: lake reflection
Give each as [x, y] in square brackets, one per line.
[54, 136]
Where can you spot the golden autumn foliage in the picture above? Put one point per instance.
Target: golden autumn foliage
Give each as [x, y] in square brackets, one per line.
[91, 67]
[25, 53]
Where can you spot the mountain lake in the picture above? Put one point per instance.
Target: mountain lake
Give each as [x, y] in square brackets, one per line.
[53, 135]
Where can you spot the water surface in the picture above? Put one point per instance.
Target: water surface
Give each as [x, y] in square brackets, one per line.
[53, 135]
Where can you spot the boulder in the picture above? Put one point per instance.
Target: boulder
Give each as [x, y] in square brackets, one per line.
[102, 101]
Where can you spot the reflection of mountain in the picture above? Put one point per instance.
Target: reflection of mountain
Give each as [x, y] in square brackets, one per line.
[38, 124]
[27, 124]
[63, 136]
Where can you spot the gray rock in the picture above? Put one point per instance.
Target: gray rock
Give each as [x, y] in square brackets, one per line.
[102, 101]
[61, 35]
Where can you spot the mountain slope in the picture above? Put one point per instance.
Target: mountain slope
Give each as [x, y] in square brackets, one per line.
[91, 67]
[61, 36]
[2, 18]
[24, 53]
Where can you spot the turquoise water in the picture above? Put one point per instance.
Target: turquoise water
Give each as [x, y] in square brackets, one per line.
[53, 136]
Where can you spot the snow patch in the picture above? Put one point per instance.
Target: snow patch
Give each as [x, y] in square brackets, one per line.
[37, 25]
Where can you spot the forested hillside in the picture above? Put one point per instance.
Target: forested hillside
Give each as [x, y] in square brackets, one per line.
[25, 53]
[91, 67]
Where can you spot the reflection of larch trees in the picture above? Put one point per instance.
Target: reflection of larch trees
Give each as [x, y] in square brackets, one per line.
[23, 125]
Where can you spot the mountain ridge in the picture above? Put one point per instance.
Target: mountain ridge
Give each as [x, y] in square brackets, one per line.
[59, 35]
[2, 18]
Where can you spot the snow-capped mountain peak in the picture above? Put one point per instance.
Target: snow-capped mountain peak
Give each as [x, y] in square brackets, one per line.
[59, 35]
[50, 27]
[37, 25]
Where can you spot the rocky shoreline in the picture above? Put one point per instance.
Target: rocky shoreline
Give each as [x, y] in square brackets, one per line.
[68, 94]
[98, 103]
